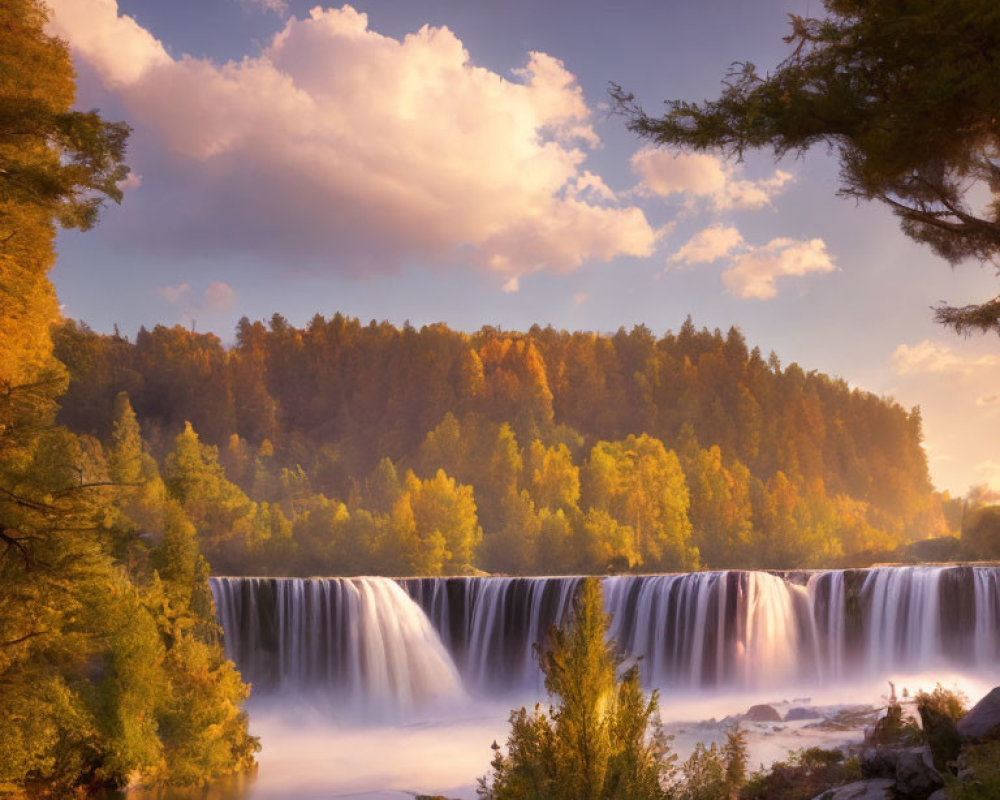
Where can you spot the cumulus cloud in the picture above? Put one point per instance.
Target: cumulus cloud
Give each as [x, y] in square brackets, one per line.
[930, 356]
[174, 294]
[709, 245]
[591, 185]
[754, 272]
[118, 47]
[341, 146]
[219, 296]
[703, 177]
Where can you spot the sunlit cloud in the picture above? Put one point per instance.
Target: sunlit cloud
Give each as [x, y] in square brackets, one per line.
[709, 245]
[132, 182]
[219, 296]
[592, 186]
[931, 356]
[174, 294]
[754, 273]
[340, 148]
[697, 176]
[988, 400]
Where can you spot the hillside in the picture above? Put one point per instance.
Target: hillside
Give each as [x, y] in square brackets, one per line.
[342, 447]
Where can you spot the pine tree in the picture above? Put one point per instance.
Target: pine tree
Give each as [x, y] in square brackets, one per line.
[600, 739]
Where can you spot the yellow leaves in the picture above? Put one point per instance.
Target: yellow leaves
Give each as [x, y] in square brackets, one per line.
[555, 479]
[641, 484]
[444, 514]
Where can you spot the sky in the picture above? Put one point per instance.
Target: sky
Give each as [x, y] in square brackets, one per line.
[457, 161]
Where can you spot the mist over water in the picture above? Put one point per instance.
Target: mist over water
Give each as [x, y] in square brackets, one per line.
[369, 687]
[309, 753]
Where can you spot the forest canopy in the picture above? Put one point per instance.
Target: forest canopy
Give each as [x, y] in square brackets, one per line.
[343, 448]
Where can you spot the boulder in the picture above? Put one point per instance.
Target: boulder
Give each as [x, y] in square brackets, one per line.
[876, 789]
[762, 713]
[983, 719]
[878, 762]
[916, 777]
[802, 712]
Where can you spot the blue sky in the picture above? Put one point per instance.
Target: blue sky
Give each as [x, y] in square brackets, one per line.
[456, 161]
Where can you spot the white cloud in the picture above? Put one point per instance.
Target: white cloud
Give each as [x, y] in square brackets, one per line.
[705, 177]
[343, 147]
[753, 272]
[930, 356]
[591, 185]
[173, 294]
[277, 6]
[132, 182]
[709, 245]
[219, 296]
[120, 49]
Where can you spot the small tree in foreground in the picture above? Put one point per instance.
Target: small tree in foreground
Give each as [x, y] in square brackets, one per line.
[600, 738]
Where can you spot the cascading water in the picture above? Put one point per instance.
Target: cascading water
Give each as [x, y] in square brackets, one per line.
[491, 625]
[711, 628]
[366, 639]
[361, 639]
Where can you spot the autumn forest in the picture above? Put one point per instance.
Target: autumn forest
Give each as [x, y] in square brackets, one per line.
[343, 448]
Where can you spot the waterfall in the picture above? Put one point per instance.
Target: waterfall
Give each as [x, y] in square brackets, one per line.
[492, 625]
[706, 629]
[903, 618]
[363, 640]
[987, 619]
[827, 599]
[399, 643]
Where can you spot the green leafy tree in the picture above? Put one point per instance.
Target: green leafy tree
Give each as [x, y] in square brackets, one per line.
[444, 512]
[513, 549]
[556, 543]
[641, 484]
[554, 478]
[600, 738]
[56, 167]
[383, 487]
[88, 649]
[981, 532]
[608, 545]
[721, 516]
[223, 515]
[906, 93]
